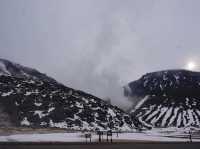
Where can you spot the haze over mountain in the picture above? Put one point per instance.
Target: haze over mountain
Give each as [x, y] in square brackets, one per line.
[104, 43]
[162, 99]
[30, 98]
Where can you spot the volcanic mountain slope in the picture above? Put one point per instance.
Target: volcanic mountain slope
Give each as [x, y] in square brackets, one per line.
[167, 99]
[30, 98]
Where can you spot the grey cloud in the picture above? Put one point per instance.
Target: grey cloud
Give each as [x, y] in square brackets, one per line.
[99, 46]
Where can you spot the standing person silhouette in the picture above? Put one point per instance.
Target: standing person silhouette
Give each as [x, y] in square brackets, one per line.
[190, 135]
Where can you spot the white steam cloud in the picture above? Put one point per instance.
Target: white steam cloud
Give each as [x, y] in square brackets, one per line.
[99, 46]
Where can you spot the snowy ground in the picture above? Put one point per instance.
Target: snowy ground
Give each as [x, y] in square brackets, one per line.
[158, 135]
[53, 137]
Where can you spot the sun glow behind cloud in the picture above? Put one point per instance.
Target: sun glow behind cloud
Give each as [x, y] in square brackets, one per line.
[100, 46]
[191, 65]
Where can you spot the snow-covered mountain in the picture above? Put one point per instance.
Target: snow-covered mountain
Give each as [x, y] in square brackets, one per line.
[8, 68]
[167, 99]
[30, 98]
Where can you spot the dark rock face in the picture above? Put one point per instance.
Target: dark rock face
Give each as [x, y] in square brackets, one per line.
[168, 99]
[33, 99]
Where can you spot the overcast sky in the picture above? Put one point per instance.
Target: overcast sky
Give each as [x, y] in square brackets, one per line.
[100, 45]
